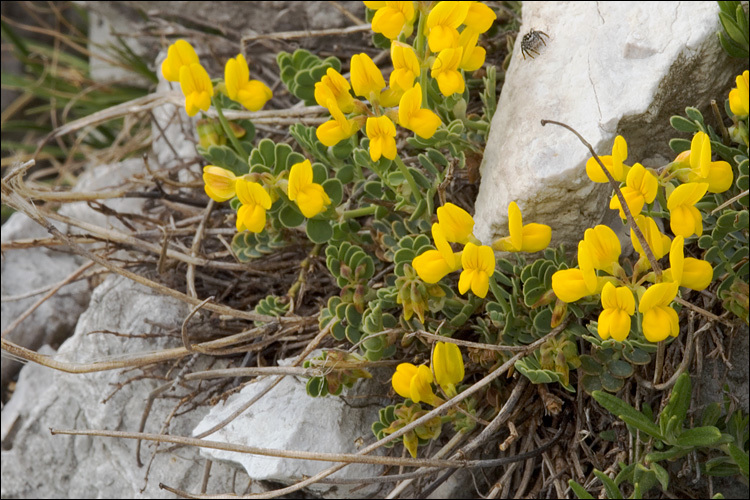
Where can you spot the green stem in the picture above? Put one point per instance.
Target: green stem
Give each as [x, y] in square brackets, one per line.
[228, 130]
[359, 212]
[409, 178]
[304, 266]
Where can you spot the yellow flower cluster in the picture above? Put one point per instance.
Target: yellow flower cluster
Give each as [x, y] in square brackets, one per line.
[222, 185]
[333, 93]
[415, 382]
[455, 225]
[454, 50]
[182, 65]
[598, 271]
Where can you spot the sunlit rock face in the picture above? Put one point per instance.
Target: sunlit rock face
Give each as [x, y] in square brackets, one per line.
[605, 69]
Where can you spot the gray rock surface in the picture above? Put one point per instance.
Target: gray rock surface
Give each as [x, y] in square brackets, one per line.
[288, 419]
[40, 465]
[608, 68]
[29, 269]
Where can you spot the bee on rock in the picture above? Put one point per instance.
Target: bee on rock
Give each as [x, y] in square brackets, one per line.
[530, 43]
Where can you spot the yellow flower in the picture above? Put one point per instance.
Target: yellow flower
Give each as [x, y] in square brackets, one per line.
[658, 242]
[340, 128]
[445, 71]
[604, 247]
[456, 223]
[382, 134]
[179, 54]
[618, 305]
[310, 197]
[529, 238]
[414, 383]
[334, 86]
[443, 22]
[255, 201]
[252, 94]
[405, 66]
[390, 97]
[738, 97]
[196, 85]
[613, 163]
[640, 188]
[367, 80]
[479, 17]
[479, 264]
[448, 366]
[390, 19]
[689, 272]
[219, 183]
[659, 320]
[685, 219]
[472, 57]
[433, 265]
[696, 166]
[423, 122]
[571, 285]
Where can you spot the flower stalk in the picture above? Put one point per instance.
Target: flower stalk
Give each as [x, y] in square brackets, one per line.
[228, 129]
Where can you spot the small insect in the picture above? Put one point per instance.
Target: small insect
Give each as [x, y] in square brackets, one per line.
[530, 43]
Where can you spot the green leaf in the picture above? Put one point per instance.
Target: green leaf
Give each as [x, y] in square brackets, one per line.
[740, 458]
[316, 387]
[636, 356]
[679, 400]
[319, 231]
[289, 216]
[731, 27]
[611, 383]
[711, 414]
[609, 485]
[247, 245]
[627, 413]
[699, 436]
[683, 124]
[224, 157]
[591, 383]
[579, 490]
[742, 21]
[670, 454]
[679, 145]
[694, 114]
[335, 190]
[730, 48]
[590, 366]
[705, 242]
[728, 7]
[620, 369]
[643, 480]
[345, 174]
[274, 158]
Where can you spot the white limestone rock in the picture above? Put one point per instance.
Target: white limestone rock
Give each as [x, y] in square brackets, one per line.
[29, 269]
[40, 465]
[287, 418]
[607, 68]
